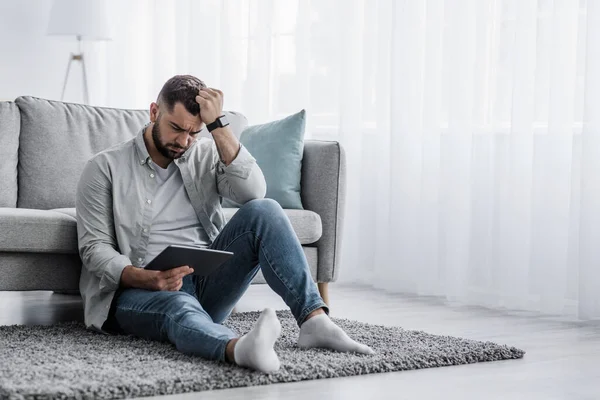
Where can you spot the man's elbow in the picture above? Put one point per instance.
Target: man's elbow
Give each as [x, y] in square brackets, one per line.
[85, 253]
[90, 249]
[244, 196]
[260, 190]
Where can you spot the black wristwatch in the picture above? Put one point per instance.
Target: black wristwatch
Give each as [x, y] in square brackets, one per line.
[219, 123]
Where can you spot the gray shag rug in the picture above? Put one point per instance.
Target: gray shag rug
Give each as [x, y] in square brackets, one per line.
[67, 361]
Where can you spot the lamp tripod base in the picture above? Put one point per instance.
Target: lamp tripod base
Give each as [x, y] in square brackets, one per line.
[77, 57]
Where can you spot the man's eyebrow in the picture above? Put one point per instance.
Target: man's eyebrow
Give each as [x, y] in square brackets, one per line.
[174, 125]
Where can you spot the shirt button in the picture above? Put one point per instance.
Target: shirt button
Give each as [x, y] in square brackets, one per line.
[145, 230]
[142, 162]
[151, 175]
[149, 201]
[140, 259]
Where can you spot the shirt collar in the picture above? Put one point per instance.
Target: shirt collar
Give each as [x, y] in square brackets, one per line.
[142, 151]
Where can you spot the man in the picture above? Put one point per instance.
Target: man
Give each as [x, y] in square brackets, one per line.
[163, 187]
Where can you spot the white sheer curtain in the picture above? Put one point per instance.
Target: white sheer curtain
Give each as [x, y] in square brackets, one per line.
[472, 127]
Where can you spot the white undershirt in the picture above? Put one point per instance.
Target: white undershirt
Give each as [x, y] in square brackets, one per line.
[174, 220]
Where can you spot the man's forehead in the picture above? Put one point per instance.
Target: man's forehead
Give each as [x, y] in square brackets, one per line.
[183, 118]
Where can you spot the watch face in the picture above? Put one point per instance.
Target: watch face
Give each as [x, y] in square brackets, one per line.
[223, 120]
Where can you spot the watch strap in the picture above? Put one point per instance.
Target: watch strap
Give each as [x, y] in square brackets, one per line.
[218, 123]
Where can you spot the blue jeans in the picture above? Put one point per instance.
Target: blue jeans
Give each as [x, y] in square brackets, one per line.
[261, 237]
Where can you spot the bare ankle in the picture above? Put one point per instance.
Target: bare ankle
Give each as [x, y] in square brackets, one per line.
[314, 313]
[229, 349]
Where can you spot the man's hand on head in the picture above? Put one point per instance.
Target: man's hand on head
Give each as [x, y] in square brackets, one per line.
[211, 104]
[211, 108]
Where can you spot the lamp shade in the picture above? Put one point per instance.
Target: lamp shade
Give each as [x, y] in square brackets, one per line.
[85, 18]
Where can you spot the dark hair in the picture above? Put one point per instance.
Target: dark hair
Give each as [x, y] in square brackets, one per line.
[181, 89]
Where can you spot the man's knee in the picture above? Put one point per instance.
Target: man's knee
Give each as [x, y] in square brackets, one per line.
[263, 209]
[262, 206]
[261, 212]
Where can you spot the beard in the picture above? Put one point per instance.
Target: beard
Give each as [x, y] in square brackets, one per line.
[169, 150]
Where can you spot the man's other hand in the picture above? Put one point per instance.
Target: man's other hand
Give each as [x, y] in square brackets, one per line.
[170, 280]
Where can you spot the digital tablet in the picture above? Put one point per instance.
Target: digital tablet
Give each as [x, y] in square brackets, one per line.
[203, 261]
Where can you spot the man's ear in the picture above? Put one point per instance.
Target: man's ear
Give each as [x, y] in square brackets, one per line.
[153, 112]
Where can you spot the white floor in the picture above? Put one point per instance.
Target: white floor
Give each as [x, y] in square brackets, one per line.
[562, 360]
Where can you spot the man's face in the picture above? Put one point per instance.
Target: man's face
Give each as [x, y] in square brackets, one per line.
[173, 133]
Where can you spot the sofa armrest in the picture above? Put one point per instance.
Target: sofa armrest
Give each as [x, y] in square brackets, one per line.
[323, 190]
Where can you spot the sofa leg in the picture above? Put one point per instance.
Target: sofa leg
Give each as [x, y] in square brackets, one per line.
[324, 291]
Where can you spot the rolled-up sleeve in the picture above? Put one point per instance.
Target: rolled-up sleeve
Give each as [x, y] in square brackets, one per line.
[95, 226]
[242, 180]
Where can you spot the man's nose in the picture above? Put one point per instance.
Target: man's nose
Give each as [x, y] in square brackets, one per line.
[182, 139]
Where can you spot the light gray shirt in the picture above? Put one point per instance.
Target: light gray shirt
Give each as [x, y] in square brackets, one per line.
[174, 220]
[115, 203]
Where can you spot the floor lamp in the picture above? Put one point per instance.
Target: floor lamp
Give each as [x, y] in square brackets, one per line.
[84, 19]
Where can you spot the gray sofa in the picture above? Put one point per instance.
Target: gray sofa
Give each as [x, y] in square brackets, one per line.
[44, 145]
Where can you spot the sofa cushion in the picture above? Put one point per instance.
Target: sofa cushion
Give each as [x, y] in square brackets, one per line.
[55, 231]
[70, 211]
[37, 231]
[10, 122]
[58, 138]
[306, 224]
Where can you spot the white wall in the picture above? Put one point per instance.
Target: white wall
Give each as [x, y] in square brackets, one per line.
[34, 64]
[126, 72]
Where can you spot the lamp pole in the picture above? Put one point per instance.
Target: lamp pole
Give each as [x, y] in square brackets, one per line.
[77, 57]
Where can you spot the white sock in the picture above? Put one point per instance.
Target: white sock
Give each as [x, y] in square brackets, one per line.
[255, 349]
[321, 331]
